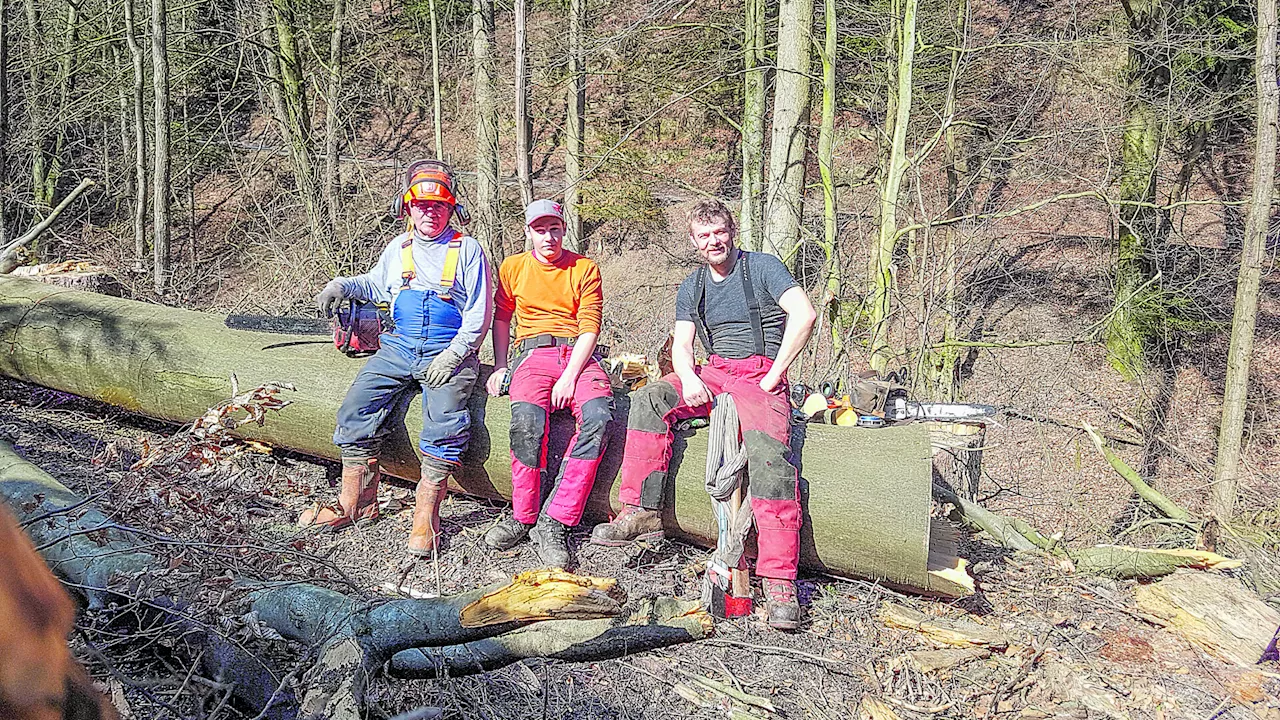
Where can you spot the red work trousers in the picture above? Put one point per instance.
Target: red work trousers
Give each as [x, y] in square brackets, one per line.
[592, 405]
[765, 418]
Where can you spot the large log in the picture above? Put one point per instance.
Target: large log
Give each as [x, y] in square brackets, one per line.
[866, 492]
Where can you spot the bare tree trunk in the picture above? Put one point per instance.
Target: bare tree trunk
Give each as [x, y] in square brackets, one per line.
[895, 170]
[826, 160]
[945, 362]
[1226, 469]
[160, 198]
[139, 140]
[437, 121]
[524, 129]
[488, 230]
[332, 125]
[1128, 331]
[785, 209]
[753, 111]
[575, 121]
[296, 120]
[4, 117]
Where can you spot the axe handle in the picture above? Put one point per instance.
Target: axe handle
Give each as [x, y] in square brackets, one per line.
[739, 577]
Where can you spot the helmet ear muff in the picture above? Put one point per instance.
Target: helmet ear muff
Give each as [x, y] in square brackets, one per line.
[398, 209]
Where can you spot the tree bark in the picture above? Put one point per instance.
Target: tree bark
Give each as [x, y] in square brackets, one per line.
[895, 169]
[866, 519]
[524, 128]
[139, 139]
[4, 119]
[1129, 328]
[754, 105]
[488, 227]
[296, 121]
[575, 122]
[160, 153]
[437, 122]
[1244, 319]
[355, 639]
[332, 123]
[655, 623]
[830, 303]
[784, 211]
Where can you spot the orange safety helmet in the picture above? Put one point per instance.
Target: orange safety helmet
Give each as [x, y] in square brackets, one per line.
[425, 180]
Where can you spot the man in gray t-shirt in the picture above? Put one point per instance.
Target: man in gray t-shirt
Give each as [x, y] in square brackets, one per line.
[753, 319]
[726, 310]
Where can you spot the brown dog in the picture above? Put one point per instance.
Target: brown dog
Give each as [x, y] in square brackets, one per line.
[39, 679]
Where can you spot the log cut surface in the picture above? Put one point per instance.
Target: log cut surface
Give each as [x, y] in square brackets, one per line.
[866, 492]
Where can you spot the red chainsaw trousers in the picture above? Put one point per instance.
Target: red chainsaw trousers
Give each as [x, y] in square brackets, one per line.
[592, 405]
[765, 418]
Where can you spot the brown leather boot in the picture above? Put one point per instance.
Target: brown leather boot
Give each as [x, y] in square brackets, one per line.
[357, 498]
[426, 511]
[633, 524]
[781, 604]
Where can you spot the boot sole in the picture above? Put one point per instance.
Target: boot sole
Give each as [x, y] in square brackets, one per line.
[646, 537]
[784, 625]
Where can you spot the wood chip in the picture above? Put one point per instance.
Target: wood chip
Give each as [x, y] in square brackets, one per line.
[927, 661]
[948, 632]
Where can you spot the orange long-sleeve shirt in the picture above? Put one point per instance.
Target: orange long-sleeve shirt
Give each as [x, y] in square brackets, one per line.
[562, 299]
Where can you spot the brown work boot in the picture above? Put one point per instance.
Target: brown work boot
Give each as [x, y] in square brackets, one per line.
[357, 498]
[781, 604]
[633, 524]
[425, 535]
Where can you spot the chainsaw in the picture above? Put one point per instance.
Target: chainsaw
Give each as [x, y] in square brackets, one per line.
[354, 329]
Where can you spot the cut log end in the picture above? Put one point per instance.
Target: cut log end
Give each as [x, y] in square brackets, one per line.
[545, 595]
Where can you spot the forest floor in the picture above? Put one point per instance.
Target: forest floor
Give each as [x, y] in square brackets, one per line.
[1077, 647]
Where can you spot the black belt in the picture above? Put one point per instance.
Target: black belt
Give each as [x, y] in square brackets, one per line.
[541, 341]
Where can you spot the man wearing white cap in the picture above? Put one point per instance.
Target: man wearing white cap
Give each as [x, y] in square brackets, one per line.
[555, 299]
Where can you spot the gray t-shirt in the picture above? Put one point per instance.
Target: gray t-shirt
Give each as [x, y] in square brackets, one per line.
[725, 308]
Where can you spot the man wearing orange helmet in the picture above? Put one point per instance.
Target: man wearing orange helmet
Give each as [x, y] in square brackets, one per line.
[437, 282]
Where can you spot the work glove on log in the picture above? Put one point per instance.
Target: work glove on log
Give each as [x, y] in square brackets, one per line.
[441, 369]
[330, 298]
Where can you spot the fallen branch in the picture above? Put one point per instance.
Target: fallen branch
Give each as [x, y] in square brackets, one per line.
[1116, 561]
[1167, 507]
[355, 639]
[655, 623]
[9, 256]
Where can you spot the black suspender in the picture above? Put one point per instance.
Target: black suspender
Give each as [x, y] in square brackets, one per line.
[753, 306]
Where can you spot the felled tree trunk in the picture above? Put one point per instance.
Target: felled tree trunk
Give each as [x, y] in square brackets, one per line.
[655, 623]
[865, 492]
[356, 640]
[100, 560]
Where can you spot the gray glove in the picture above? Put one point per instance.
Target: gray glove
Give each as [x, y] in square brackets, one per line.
[441, 369]
[330, 298]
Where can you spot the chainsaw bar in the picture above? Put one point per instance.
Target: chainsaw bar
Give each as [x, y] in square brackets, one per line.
[280, 325]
